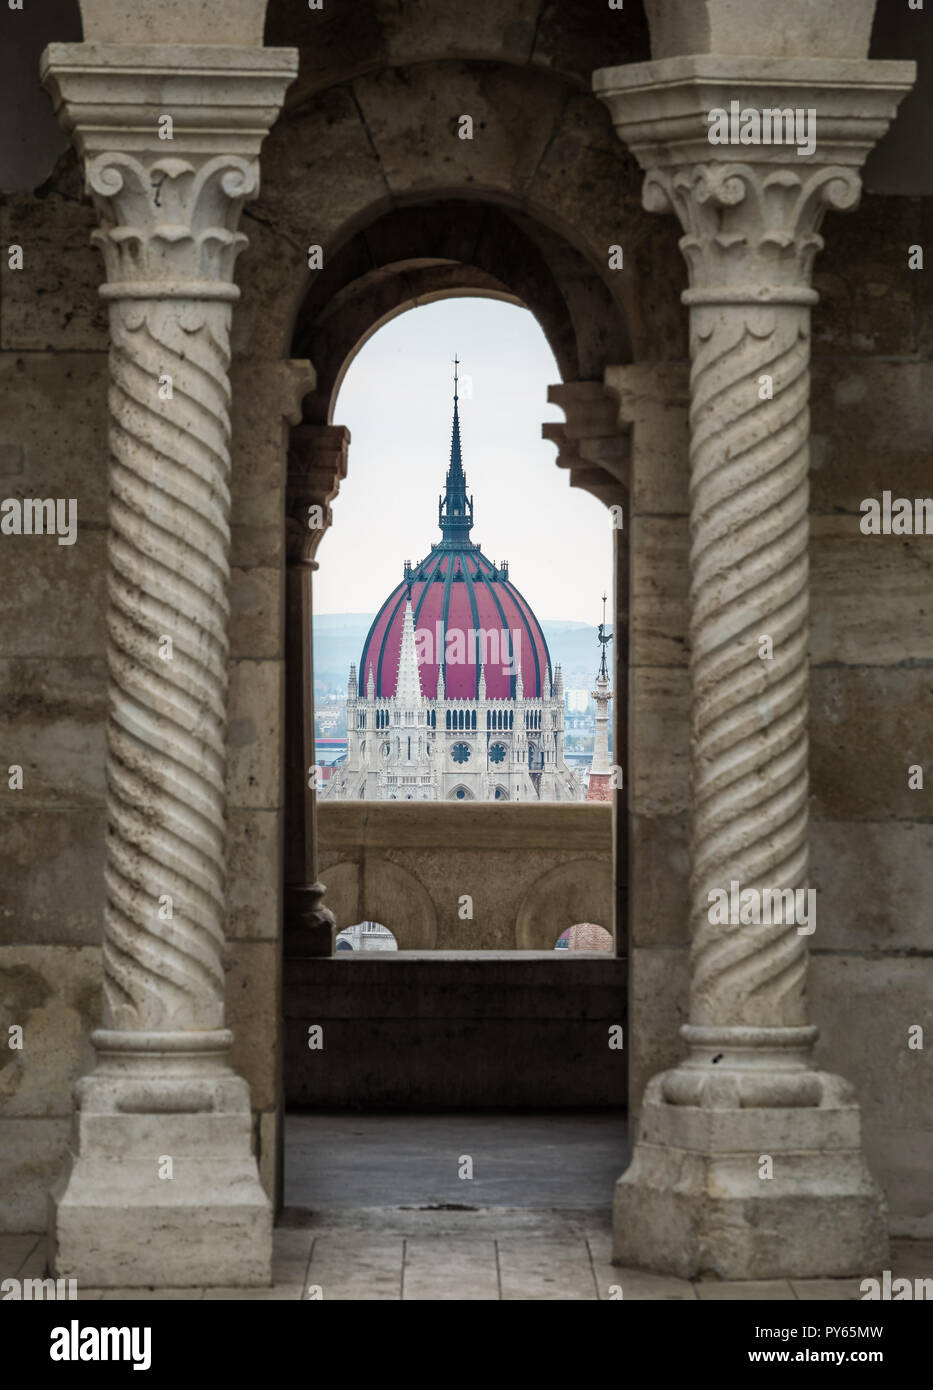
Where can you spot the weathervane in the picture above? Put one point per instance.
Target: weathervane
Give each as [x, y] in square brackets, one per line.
[604, 640]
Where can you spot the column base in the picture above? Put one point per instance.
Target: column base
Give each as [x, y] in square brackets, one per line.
[161, 1188]
[310, 927]
[692, 1201]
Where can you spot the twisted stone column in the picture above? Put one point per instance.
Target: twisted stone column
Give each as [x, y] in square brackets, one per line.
[699, 1194]
[751, 237]
[162, 1187]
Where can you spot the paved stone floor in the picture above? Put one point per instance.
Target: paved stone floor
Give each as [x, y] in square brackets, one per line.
[378, 1213]
[526, 1159]
[492, 1253]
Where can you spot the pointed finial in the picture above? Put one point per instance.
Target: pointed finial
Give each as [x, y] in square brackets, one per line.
[604, 642]
[456, 365]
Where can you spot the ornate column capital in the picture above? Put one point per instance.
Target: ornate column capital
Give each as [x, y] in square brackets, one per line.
[751, 210]
[170, 135]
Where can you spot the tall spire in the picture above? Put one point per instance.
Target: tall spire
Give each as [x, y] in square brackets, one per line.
[600, 766]
[455, 509]
[408, 685]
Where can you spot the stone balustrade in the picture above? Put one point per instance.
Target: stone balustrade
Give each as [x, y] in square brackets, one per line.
[451, 877]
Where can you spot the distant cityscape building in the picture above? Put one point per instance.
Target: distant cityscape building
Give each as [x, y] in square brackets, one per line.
[455, 698]
[366, 936]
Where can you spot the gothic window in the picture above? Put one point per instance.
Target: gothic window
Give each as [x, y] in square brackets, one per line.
[460, 752]
[448, 719]
[474, 719]
[497, 753]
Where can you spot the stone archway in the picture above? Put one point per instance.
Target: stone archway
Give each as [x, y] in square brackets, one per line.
[441, 247]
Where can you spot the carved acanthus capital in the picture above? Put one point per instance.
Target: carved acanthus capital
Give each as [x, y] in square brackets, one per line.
[751, 199]
[170, 135]
[168, 225]
[751, 229]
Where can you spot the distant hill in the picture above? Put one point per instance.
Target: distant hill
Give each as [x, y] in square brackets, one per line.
[339, 638]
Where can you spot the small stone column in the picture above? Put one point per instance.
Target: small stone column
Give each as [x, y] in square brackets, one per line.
[748, 1161]
[317, 461]
[162, 1187]
[595, 446]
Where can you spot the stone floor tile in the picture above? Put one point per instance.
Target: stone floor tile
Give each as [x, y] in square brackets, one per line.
[15, 1250]
[600, 1246]
[534, 1270]
[911, 1258]
[153, 1295]
[443, 1270]
[637, 1284]
[826, 1288]
[277, 1294]
[291, 1251]
[356, 1266]
[35, 1265]
[714, 1290]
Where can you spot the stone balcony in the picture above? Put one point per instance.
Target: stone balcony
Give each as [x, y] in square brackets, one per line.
[476, 1009]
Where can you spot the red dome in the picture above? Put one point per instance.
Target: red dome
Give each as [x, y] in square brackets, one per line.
[465, 613]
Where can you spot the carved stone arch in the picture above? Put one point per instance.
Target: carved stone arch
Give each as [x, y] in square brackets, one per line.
[347, 40]
[467, 794]
[577, 891]
[446, 246]
[557, 174]
[398, 900]
[344, 896]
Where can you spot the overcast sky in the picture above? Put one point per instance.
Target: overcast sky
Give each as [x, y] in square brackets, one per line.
[397, 401]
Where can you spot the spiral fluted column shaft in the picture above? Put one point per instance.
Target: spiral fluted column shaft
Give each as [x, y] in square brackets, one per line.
[169, 238]
[751, 232]
[168, 579]
[748, 564]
